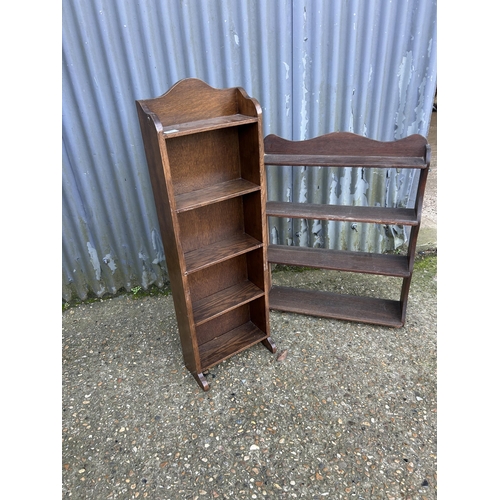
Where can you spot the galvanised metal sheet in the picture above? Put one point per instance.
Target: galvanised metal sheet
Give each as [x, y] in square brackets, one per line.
[367, 68]
[314, 66]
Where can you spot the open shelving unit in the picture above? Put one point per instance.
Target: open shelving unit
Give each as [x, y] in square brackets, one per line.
[344, 149]
[204, 151]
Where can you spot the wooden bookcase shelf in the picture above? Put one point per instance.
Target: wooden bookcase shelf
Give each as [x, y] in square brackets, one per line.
[197, 126]
[230, 343]
[214, 194]
[224, 301]
[343, 149]
[204, 151]
[220, 251]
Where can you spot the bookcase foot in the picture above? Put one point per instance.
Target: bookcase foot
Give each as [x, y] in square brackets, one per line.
[202, 381]
[269, 343]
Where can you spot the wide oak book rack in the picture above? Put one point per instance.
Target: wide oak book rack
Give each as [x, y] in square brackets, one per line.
[204, 151]
[345, 149]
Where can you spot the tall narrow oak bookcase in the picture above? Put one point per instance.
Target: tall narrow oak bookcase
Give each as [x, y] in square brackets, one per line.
[205, 152]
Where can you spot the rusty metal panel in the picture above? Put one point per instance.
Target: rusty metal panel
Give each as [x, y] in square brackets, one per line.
[314, 66]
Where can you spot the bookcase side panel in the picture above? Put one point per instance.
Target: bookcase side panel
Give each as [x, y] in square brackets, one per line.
[253, 220]
[255, 262]
[259, 314]
[245, 104]
[157, 161]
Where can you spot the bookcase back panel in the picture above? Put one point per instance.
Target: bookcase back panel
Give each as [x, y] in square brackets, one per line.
[208, 225]
[201, 160]
[190, 100]
[217, 277]
[249, 143]
[347, 143]
[223, 324]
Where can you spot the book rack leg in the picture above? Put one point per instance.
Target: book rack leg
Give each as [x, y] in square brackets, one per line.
[269, 343]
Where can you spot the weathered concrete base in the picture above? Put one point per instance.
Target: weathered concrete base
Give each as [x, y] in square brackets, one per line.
[427, 238]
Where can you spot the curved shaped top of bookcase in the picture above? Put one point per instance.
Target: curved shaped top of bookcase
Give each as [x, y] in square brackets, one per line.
[191, 99]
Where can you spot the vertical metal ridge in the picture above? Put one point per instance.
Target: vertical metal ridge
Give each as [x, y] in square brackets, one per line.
[315, 66]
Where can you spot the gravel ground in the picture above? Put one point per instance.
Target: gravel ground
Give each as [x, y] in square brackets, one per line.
[343, 410]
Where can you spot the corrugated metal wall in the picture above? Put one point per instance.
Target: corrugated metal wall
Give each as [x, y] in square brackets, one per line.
[315, 66]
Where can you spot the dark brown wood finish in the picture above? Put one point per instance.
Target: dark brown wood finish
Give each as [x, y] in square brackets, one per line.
[220, 251]
[343, 149]
[348, 144]
[214, 194]
[224, 301]
[178, 129]
[338, 306]
[230, 343]
[205, 152]
[161, 183]
[355, 262]
[343, 161]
